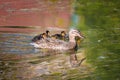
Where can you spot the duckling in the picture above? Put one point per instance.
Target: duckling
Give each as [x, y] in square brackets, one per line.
[63, 35]
[59, 36]
[39, 37]
[36, 38]
[57, 44]
[48, 33]
[44, 36]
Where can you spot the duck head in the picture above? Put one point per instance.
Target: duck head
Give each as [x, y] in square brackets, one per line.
[73, 33]
[44, 36]
[63, 33]
[47, 32]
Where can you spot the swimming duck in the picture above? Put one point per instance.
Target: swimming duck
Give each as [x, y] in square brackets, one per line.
[36, 38]
[61, 36]
[47, 33]
[56, 44]
[41, 36]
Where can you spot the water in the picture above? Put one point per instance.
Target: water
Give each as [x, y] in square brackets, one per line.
[21, 61]
[15, 43]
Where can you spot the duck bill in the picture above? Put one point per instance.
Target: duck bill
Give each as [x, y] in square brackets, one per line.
[81, 36]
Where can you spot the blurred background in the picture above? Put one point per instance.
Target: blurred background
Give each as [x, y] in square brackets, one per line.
[34, 13]
[21, 20]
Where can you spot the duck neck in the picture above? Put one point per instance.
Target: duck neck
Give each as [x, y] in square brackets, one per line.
[72, 42]
[72, 39]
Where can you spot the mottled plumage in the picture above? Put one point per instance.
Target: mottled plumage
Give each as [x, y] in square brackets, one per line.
[49, 43]
[61, 36]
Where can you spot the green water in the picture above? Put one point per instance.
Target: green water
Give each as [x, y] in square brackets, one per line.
[100, 24]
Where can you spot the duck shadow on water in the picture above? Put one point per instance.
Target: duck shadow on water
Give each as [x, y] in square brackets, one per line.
[74, 60]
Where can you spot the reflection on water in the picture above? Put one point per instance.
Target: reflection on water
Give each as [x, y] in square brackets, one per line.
[15, 43]
[20, 61]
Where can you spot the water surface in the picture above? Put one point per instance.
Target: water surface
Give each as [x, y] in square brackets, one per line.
[21, 61]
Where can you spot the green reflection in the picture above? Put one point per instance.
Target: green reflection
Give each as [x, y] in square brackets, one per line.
[102, 29]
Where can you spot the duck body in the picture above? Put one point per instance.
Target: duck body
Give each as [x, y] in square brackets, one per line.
[47, 34]
[61, 36]
[57, 36]
[54, 44]
[57, 44]
[36, 38]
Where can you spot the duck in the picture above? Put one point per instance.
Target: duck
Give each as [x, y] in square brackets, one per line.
[61, 36]
[41, 36]
[57, 44]
[48, 33]
[38, 37]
